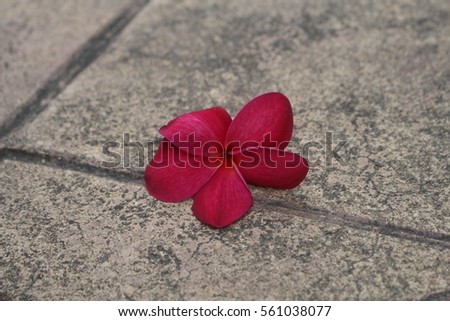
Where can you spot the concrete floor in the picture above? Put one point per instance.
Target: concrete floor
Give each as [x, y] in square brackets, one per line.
[369, 80]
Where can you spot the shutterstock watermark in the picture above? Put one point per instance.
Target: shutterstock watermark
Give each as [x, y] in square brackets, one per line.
[190, 151]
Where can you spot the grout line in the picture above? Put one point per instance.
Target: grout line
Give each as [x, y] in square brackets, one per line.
[79, 61]
[338, 218]
[437, 296]
[361, 223]
[71, 163]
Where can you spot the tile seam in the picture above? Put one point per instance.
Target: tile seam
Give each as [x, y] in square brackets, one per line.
[87, 53]
[357, 222]
[437, 296]
[67, 162]
[336, 218]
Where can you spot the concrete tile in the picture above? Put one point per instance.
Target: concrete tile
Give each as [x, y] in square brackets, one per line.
[384, 90]
[69, 235]
[38, 37]
[373, 74]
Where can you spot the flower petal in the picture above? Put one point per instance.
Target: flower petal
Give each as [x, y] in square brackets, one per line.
[271, 167]
[224, 199]
[266, 120]
[173, 175]
[192, 131]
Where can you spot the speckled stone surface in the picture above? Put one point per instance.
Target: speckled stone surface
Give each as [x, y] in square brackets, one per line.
[372, 222]
[374, 75]
[71, 235]
[37, 37]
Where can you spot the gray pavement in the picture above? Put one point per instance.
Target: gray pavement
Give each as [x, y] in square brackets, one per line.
[38, 38]
[370, 223]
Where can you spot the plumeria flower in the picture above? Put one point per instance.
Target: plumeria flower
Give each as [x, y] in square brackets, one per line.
[210, 157]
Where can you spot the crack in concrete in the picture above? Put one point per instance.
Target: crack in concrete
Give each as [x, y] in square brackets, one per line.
[79, 61]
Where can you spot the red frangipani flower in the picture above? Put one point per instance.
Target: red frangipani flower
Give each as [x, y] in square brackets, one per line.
[210, 157]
